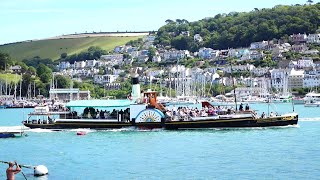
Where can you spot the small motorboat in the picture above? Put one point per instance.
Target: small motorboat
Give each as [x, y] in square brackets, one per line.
[11, 131]
[81, 133]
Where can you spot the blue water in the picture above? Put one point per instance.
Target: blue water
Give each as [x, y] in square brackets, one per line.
[256, 153]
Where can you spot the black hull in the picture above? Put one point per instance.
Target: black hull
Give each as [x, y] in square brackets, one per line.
[18, 107]
[173, 125]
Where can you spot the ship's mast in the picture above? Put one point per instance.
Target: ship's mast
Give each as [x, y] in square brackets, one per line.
[234, 89]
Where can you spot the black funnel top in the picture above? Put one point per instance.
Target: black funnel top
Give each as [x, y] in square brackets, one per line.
[134, 80]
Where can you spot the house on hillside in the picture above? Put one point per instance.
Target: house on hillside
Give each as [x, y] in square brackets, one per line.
[312, 52]
[256, 55]
[278, 77]
[305, 62]
[91, 63]
[311, 78]
[295, 79]
[313, 38]
[79, 64]
[299, 48]
[197, 38]
[118, 49]
[293, 64]
[105, 79]
[15, 69]
[258, 45]
[208, 53]
[64, 65]
[299, 38]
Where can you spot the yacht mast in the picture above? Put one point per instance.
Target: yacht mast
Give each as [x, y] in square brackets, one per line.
[234, 89]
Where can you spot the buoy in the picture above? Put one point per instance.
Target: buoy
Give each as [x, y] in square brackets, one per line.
[40, 170]
[80, 133]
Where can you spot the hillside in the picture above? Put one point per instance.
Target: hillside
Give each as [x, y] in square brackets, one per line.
[53, 48]
[239, 29]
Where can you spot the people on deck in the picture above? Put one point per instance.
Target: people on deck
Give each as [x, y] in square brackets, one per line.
[271, 114]
[11, 171]
[241, 107]
[247, 107]
[263, 115]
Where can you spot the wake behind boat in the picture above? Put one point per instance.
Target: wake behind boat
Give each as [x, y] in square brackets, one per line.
[144, 111]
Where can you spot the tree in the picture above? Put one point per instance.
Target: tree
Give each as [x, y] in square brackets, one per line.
[43, 69]
[5, 60]
[152, 53]
[168, 21]
[63, 55]
[179, 21]
[32, 70]
[235, 30]
[62, 81]
[309, 1]
[44, 72]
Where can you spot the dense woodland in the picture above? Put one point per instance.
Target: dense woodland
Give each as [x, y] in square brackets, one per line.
[239, 29]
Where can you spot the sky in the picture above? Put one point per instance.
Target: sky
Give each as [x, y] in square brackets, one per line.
[37, 19]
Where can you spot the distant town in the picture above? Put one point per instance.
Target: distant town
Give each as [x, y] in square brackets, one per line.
[301, 73]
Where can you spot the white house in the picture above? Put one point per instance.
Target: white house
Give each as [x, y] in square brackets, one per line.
[305, 62]
[312, 52]
[256, 55]
[197, 38]
[258, 45]
[16, 68]
[156, 58]
[143, 58]
[64, 65]
[259, 71]
[313, 38]
[112, 57]
[293, 64]
[175, 54]
[208, 53]
[79, 64]
[299, 38]
[311, 79]
[118, 49]
[91, 63]
[299, 48]
[105, 79]
[149, 38]
[278, 77]
[295, 79]
[247, 67]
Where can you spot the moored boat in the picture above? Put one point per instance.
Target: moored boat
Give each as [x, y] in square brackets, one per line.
[312, 99]
[10, 132]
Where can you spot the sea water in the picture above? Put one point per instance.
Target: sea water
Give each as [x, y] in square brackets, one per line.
[291, 152]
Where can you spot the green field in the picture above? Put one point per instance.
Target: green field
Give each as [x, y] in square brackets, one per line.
[54, 48]
[10, 78]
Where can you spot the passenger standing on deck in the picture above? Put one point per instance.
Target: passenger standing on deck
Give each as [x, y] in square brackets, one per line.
[11, 172]
[247, 107]
[241, 107]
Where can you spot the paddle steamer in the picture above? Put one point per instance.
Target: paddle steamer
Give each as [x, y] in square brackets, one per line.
[142, 110]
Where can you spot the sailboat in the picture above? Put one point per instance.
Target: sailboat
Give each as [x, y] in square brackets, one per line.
[285, 96]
